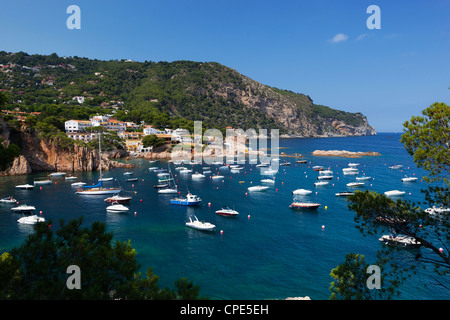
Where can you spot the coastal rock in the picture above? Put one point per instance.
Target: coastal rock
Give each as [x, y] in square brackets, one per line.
[19, 166]
[344, 153]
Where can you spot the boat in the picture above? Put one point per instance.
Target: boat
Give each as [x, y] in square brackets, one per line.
[197, 176]
[105, 179]
[301, 161]
[325, 177]
[362, 178]
[40, 182]
[344, 194]
[23, 208]
[186, 171]
[394, 193]
[25, 186]
[8, 200]
[116, 207]
[163, 185]
[98, 189]
[71, 178]
[153, 168]
[355, 184]
[302, 192]
[33, 219]
[325, 173]
[163, 175]
[131, 179]
[169, 188]
[217, 177]
[437, 210]
[128, 173]
[200, 225]
[400, 241]
[263, 165]
[304, 205]
[78, 184]
[258, 188]
[269, 172]
[353, 164]
[225, 211]
[409, 179]
[118, 199]
[268, 180]
[57, 174]
[318, 168]
[396, 166]
[190, 200]
[320, 183]
[285, 164]
[350, 171]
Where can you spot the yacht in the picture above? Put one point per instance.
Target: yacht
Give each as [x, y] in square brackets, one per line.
[9, 199]
[118, 199]
[40, 182]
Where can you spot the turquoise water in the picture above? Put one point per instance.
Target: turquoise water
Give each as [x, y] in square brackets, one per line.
[269, 251]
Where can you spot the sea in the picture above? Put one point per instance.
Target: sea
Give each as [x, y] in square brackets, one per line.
[268, 251]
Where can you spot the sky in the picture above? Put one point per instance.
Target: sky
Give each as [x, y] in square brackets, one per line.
[320, 48]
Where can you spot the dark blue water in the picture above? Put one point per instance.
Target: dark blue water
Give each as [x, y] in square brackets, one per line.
[268, 252]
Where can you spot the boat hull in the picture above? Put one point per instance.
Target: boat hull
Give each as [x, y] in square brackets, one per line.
[184, 202]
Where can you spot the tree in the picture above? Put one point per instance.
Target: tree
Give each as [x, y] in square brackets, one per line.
[152, 140]
[427, 139]
[109, 270]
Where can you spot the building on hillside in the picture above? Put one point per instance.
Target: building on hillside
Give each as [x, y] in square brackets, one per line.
[150, 130]
[76, 125]
[133, 140]
[85, 137]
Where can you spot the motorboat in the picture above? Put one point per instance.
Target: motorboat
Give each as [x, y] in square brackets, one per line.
[269, 172]
[325, 177]
[363, 178]
[325, 173]
[302, 192]
[116, 207]
[153, 168]
[162, 174]
[128, 173]
[285, 163]
[353, 164]
[200, 225]
[25, 186]
[217, 177]
[396, 166]
[350, 171]
[437, 210]
[71, 178]
[186, 171]
[400, 241]
[355, 184]
[168, 190]
[409, 179]
[304, 205]
[23, 208]
[225, 211]
[163, 185]
[105, 179]
[318, 168]
[57, 174]
[8, 200]
[262, 165]
[268, 180]
[40, 182]
[197, 176]
[344, 194]
[118, 199]
[320, 183]
[33, 219]
[258, 188]
[189, 200]
[301, 161]
[394, 193]
[132, 179]
[78, 184]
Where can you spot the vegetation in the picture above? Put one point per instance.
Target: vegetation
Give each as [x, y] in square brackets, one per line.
[427, 139]
[108, 270]
[152, 140]
[7, 155]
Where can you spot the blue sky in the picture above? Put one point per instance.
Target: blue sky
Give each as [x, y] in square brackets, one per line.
[388, 74]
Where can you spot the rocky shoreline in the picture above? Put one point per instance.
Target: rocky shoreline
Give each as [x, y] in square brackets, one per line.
[344, 153]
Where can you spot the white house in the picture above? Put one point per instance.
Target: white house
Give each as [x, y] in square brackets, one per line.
[181, 135]
[80, 99]
[76, 125]
[150, 130]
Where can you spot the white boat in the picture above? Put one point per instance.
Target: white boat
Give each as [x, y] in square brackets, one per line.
[344, 194]
[353, 164]
[217, 177]
[269, 172]
[225, 211]
[349, 169]
[399, 240]
[33, 219]
[200, 225]
[304, 205]
[325, 173]
[351, 172]
[57, 174]
[302, 192]
[25, 186]
[105, 179]
[394, 193]
[409, 179]
[325, 177]
[98, 189]
[362, 178]
[268, 180]
[258, 188]
[318, 168]
[40, 182]
[163, 175]
[171, 187]
[262, 165]
[128, 173]
[116, 207]
[197, 176]
[355, 184]
[153, 168]
[23, 208]
[396, 166]
[320, 183]
[437, 210]
[78, 184]
[186, 171]
[8, 200]
[71, 178]
[168, 190]
[118, 199]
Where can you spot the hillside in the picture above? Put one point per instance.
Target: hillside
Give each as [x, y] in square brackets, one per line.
[165, 95]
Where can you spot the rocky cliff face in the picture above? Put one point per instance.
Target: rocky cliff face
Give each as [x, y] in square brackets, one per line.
[40, 155]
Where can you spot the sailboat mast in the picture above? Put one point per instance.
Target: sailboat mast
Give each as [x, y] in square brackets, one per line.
[100, 152]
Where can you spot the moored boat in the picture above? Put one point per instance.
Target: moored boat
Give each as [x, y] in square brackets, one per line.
[25, 186]
[344, 194]
[225, 211]
[23, 208]
[301, 192]
[355, 184]
[396, 166]
[409, 179]
[9, 199]
[200, 225]
[258, 188]
[304, 205]
[394, 193]
[189, 200]
[33, 219]
[118, 199]
[320, 183]
[400, 241]
[116, 207]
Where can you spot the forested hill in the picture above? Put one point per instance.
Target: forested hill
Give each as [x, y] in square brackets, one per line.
[165, 95]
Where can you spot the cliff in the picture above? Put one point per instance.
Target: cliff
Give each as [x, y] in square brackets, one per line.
[44, 155]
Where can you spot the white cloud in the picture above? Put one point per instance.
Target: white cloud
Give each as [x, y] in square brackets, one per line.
[339, 37]
[361, 36]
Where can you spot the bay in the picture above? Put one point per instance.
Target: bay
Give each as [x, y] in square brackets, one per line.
[269, 251]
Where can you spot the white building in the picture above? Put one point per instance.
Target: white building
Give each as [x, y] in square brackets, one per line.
[181, 135]
[86, 137]
[76, 125]
[150, 130]
[79, 99]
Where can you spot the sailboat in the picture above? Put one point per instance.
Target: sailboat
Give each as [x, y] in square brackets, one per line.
[169, 188]
[98, 189]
